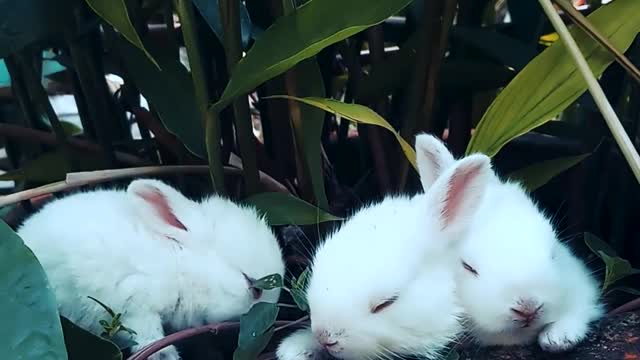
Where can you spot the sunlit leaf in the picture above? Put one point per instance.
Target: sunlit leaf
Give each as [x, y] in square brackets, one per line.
[300, 35]
[31, 328]
[298, 290]
[359, 114]
[534, 176]
[285, 209]
[309, 82]
[551, 81]
[116, 14]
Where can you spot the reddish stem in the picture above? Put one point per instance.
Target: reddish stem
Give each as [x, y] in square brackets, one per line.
[189, 333]
[632, 305]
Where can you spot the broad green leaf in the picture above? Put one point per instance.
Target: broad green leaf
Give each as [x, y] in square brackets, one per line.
[551, 81]
[31, 327]
[210, 11]
[256, 329]
[310, 83]
[269, 282]
[54, 166]
[27, 21]
[82, 345]
[116, 14]
[394, 71]
[285, 209]
[298, 290]
[300, 35]
[175, 103]
[503, 49]
[359, 114]
[616, 267]
[536, 175]
[251, 351]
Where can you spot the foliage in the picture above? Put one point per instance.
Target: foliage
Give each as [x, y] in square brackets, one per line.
[306, 110]
[31, 324]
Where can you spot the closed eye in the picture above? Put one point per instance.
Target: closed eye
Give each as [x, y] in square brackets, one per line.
[469, 268]
[383, 305]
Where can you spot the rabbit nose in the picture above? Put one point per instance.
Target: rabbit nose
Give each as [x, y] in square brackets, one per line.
[527, 310]
[325, 339]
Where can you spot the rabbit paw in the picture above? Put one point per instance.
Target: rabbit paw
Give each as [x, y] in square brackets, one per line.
[168, 353]
[299, 346]
[561, 336]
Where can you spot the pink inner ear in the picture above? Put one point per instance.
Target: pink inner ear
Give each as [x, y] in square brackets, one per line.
[159, 202]
[458, 189]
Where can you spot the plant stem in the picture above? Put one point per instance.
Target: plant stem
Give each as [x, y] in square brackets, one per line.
[184, 8]
[610, 117]
[78, 179]
[230, 16]
[188, 333]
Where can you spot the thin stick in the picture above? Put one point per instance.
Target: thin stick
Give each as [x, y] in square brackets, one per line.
[619, 134]
[75, 180]
[189, 333]
[583, 23]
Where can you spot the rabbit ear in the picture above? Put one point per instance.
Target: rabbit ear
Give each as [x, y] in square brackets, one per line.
[158, 205]
[432, 158]
[456, 195]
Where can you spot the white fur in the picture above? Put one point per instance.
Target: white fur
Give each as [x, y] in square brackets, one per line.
[400, 247]
[517, 254]
[114, 246]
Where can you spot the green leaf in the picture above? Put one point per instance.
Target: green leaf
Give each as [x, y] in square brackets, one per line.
[176, 104]
[298, 290]
[308, 131]
[82, 345]
[501, 48]
[256, 329]
[116, 14]
[54, 166]
[551, 81]
[210, 11]
[356, 113]
[300, 35]
[105, 307]
[285, 209]
[269, 282]
[394, 71]
[31, 328]
[534, 176]
[254, 349]
[616, 267]
[27, 21]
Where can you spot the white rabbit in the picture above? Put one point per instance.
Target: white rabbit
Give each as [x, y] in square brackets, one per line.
[517, 281]
[153, 254]
[383, 284]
